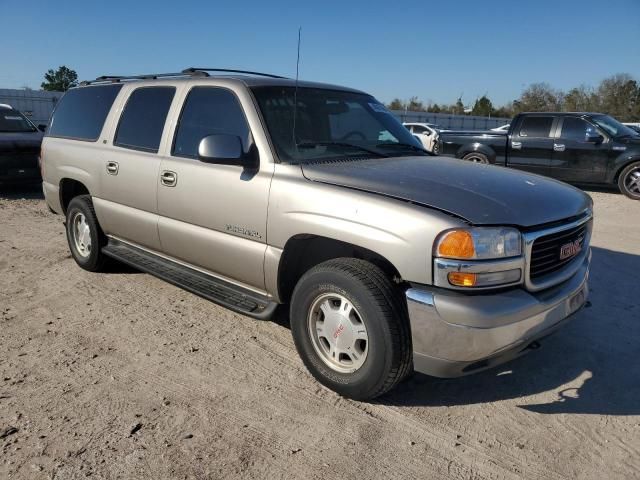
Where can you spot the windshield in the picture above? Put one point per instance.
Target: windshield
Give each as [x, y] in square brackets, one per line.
[612, 126]
[14, 121]
[331, 123]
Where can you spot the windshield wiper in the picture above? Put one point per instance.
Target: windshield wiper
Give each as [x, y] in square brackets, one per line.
[340, 144]
[415, 148]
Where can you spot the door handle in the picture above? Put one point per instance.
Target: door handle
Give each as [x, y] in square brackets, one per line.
[112, 168]
[516, 145]
[168, 178]
[558, 147]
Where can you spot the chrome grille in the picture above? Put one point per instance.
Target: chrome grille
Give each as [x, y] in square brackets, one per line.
[546, 252]
[551, 253]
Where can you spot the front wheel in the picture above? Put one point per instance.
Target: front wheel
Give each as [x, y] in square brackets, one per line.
[351, 328]
[629, 181]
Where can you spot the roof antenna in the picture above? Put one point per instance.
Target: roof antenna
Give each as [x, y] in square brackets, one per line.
[295, 93]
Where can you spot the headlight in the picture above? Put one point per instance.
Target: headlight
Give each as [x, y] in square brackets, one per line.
[479, 243]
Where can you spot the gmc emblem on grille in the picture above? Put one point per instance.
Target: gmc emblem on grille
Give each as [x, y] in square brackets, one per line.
[571, 249]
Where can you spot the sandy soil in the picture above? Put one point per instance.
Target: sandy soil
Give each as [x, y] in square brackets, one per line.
[121, 375]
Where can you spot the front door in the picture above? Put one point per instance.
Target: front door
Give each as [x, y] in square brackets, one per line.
[575, 159]
[212, 216]
[531, 145]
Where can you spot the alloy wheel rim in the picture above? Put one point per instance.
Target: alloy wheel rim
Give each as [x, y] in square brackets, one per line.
[632, 181]
[338, 333]
[476, 159]
[81, 234]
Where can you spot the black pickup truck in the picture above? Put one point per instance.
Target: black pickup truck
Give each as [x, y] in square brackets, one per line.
[584, 148]
[19, 148]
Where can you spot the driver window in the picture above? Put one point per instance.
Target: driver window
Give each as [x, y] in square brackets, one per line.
[577, 129]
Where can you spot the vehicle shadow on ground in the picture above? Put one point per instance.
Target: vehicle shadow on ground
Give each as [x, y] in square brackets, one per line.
[593, 363]
[29, 192]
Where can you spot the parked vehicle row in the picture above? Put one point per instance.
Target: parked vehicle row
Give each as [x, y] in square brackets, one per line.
[589, 148]
[253, 191]
[19, 148]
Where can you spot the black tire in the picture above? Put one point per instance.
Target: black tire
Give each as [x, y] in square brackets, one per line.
[93, 260]
[436, 148]
[627, 178]
[383, 311]
[476, 157]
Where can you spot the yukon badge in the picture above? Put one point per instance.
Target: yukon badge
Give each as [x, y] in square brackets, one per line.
[571, 249]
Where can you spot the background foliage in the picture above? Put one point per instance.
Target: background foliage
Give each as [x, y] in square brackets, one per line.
[618, 96]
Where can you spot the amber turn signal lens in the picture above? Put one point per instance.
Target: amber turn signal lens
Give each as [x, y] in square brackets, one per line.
[457, 244]
[460, 279]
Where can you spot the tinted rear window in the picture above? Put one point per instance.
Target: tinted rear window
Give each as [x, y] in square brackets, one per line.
[536, 127]
[143, 118]
[81, 112]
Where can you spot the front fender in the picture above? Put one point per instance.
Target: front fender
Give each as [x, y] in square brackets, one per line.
[619, 163]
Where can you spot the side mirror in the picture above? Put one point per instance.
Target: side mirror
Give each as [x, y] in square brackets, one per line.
[222, 149]
[42, 127]
[594, 138]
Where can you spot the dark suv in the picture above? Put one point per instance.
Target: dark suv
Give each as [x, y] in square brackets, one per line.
[19, 148]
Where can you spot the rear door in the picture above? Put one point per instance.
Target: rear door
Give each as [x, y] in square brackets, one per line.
[531, 144]
[128, 205]
[574, 158]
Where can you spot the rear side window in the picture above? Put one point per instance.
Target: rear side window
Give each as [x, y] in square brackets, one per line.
[143, 118]
[536, 127]
[81, 112]
[208, 111]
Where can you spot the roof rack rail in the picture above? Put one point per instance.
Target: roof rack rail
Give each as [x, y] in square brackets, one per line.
[118, 78]
[196, 70]
[192, 72]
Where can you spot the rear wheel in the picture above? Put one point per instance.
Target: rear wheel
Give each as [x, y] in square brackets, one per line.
[476, 157]
[351, 328]
[629, 181]
[84, 235]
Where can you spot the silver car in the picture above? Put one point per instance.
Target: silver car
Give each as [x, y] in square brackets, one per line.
[256, 191]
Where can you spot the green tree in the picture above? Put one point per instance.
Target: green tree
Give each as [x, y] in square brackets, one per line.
[396, 104]
[435, 108]
[415, 105]
[580, 99]
[60, 80]
[483, 107]
[539, 97]
[458, 108]
[619, 96]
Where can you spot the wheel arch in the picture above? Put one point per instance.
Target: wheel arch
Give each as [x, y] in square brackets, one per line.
[69, 188]
[304, 251]
[621, 165]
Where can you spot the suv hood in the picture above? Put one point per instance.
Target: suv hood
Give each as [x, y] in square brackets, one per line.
[480, 194]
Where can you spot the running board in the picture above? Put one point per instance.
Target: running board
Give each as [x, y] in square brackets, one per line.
[214, 289]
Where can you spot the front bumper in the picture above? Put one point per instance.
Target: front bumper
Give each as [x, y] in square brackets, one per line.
[454, 334]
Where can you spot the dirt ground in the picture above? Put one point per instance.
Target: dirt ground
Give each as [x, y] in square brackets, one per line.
[121, 375]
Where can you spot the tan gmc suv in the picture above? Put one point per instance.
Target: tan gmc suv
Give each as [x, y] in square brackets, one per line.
[253, 190]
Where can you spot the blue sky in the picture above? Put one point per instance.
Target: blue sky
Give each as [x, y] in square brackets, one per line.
[434, 50]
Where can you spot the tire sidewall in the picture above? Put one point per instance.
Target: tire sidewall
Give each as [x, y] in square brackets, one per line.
[375, 369]
[92, 261]
[622, 184]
